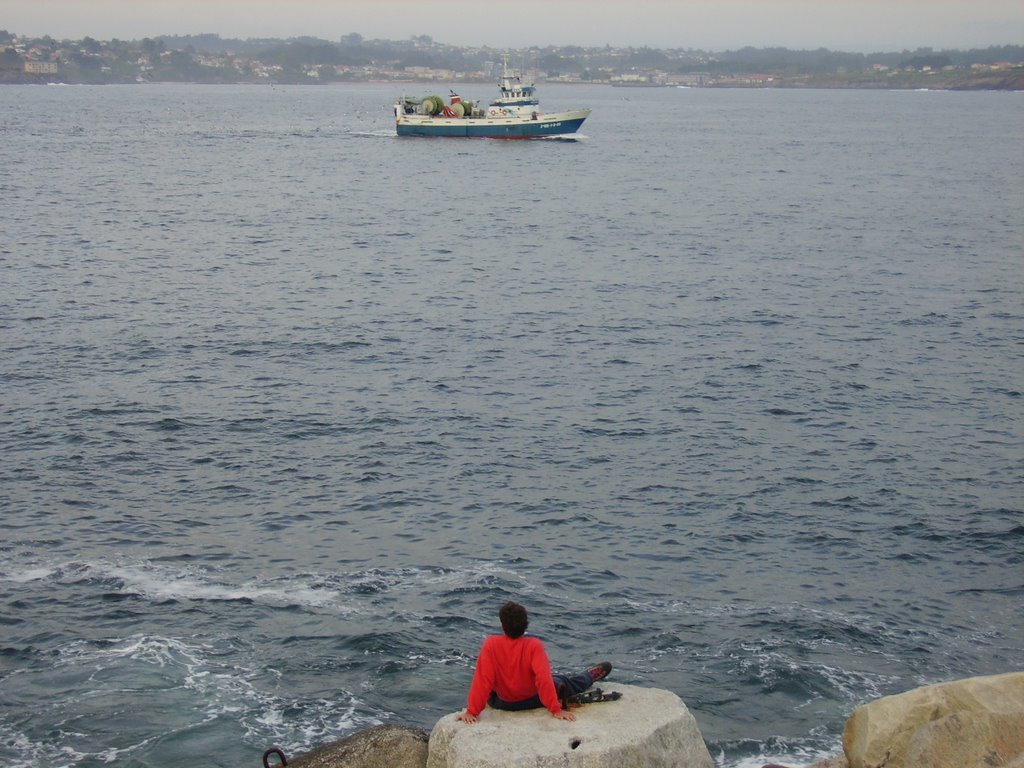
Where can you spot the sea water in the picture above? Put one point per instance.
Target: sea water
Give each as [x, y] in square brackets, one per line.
[726, 390]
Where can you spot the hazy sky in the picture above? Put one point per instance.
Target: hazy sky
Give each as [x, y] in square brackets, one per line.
[852, 25]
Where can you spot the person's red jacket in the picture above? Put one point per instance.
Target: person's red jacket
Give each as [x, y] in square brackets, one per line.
[513, 669]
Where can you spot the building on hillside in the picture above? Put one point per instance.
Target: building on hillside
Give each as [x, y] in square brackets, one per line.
[40, 67]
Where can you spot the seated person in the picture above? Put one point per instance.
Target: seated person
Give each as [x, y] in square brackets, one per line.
[513, 673]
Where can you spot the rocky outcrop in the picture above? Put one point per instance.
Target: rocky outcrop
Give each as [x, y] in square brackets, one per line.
[974, 722]
[646, 728]
[385, 746]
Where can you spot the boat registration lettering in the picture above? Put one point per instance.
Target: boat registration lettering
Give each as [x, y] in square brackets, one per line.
[550, 125]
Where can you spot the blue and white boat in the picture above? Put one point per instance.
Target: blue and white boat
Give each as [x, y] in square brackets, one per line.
[515, 114]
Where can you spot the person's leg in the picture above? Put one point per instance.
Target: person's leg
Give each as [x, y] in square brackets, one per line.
[572, 684]
[581, 681]
[565, 686]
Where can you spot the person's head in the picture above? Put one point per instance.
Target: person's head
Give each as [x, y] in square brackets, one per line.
[513, 620]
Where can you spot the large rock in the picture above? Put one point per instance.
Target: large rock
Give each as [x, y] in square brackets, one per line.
[646, 728]
[385, 746]
[974, 722]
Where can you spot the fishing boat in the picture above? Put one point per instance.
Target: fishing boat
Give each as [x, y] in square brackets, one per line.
[514, 114]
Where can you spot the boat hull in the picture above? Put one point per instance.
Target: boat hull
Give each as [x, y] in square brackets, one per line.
[557, 124]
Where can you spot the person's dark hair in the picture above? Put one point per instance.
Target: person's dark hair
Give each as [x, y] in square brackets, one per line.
[513, 619]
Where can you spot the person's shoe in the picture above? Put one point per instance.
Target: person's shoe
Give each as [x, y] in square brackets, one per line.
[600, 672]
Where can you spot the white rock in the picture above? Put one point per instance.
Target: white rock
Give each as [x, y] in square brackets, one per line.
[646, 728]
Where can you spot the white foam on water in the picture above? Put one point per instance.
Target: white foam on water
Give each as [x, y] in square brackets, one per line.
[150, 649]
[413, 578]
[205, 689]
[309, 724]
[794, 756]
[761, 760]
[29, 574]
[271, 718]
[857, 685]
[30, 753]
[162, 582]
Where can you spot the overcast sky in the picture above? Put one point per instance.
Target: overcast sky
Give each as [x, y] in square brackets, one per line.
[851, 25]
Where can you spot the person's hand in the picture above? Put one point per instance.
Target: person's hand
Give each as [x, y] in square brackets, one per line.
[465, 717]
[565, 714]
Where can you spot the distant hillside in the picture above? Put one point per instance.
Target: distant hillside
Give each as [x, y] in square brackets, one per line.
[209, 58]
[424, 51]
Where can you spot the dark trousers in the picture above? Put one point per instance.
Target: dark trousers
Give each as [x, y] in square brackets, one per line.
[570, 685]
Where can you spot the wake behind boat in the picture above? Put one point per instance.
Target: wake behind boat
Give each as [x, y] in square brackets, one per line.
[515, 114]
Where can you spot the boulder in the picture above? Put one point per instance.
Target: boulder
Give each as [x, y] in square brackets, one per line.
[968, 738]
[646, 728]
[384, 746]
[974, 722]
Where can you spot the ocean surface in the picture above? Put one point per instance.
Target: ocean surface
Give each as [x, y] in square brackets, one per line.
[726, 390]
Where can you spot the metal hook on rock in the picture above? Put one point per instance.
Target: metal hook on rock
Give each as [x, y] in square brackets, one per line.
[274, 751]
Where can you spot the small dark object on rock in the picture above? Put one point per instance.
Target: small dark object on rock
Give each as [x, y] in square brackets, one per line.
[274, 751]
[593, 696]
